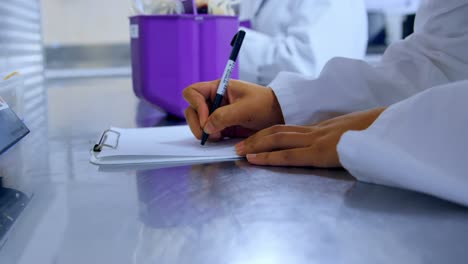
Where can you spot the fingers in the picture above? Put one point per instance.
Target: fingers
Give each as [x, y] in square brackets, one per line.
[290, 157]
[194, 123]
[287, 146]
[197, 95]
[215, 137]
[277, 141]
[237, 132]
[206, 89]
[223, 117]
[278, 129]
[246, 106]
[192, 120]
[276, 137]
[302, 157]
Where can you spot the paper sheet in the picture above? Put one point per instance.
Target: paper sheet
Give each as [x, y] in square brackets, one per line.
[161, 145]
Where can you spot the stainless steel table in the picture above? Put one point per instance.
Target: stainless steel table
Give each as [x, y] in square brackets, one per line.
[215, 213]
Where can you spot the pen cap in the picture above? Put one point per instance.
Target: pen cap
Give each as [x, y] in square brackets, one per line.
[236, 44]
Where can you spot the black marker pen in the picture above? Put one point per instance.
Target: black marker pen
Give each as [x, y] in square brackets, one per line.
[223, 84]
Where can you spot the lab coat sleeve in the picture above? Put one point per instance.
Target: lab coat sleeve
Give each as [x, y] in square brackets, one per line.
[418, 144]
[313, 36]
[437, 53]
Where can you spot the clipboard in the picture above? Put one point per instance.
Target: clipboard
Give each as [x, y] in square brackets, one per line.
[171, 145]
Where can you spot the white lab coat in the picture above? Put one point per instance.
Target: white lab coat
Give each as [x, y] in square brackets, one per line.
[393, 6]
[420, 143]
[299, 36]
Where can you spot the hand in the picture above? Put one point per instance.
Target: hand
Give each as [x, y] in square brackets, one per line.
[246, 109]
[304, 145]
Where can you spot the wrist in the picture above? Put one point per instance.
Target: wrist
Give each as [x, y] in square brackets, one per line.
[372, 115]
[276, 109]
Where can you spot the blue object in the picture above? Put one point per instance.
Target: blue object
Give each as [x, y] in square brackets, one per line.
[12, 129]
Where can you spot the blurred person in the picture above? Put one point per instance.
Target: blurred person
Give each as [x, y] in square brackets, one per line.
[299, 36]
[295, 35]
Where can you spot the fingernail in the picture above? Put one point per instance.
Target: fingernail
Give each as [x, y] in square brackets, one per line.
[240, 148]
[209, 128]
[251, 156]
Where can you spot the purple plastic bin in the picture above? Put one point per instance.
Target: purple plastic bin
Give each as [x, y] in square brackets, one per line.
[171, 52]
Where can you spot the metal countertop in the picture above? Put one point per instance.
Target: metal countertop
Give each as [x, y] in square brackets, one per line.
[227, 212]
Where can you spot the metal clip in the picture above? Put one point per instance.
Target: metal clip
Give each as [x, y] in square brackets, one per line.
[102, 141]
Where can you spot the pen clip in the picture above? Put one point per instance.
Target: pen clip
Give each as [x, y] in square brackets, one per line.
[233, 41]
[236, 44]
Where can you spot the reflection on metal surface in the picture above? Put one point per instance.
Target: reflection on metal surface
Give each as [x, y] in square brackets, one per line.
[149, 115]
[12, 203]
[237, 213]
[194, 214]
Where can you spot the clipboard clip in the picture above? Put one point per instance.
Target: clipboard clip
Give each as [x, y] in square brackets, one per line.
[102, 141]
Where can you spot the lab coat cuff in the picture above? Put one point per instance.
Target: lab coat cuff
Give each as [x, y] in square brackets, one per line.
[287, 98]
[349, 150]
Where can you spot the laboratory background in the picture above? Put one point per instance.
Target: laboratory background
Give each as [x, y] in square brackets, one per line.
[70, 69]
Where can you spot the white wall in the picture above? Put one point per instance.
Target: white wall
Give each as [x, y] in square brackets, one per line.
[85, 21]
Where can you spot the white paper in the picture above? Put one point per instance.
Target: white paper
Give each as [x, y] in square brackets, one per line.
[161, 145]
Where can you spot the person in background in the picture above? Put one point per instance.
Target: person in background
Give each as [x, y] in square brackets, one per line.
[202, 6]
[299, 36]
[400, 123]
[296, 35]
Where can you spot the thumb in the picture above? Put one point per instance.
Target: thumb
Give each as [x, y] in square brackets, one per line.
[222, 118]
